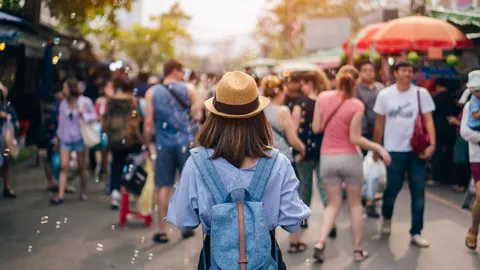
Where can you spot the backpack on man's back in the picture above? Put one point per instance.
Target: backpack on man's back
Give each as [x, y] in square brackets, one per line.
[240, 238]
[122, 123]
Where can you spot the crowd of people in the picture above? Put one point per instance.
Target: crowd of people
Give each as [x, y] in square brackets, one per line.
[217, 132]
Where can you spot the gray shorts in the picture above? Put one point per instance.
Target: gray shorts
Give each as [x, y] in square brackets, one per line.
[169, 160]
[338, 169]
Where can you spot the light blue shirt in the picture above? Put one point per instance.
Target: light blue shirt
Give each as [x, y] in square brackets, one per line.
[192, 202]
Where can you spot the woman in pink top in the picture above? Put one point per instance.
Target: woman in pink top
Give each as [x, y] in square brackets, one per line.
[339, 116]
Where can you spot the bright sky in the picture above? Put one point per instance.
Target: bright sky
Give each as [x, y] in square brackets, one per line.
[212, 20]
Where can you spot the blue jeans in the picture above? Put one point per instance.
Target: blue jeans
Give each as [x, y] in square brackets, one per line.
[416, 168]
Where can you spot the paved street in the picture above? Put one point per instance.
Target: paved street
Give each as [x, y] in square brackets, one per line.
[88, 237]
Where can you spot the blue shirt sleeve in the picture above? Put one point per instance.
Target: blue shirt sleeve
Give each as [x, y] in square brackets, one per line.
[183, 207]
[292, 208]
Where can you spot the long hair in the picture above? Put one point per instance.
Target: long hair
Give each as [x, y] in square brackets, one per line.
[236, 139]
[73, 88]
[347, 80]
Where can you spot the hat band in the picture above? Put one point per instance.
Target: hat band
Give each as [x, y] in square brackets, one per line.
[236, 109]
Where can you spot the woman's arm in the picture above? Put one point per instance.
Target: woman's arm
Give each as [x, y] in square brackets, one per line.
[317, 119]
[88, 111]
[290, 130]
[296, 116]
[183, 208]
[357, 138]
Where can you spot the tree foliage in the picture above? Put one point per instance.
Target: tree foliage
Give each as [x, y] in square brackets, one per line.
[88, 15]
[150, 46]
[278, 32]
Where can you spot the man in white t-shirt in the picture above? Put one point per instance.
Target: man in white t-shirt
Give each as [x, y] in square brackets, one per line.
[397, 109]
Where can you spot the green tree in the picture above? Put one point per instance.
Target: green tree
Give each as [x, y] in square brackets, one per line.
[150, 46]
[14, 6]
[278, 32]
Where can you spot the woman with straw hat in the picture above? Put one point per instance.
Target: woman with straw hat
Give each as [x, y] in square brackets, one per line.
[237, 137]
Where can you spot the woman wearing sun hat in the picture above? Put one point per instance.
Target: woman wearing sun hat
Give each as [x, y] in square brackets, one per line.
[237, 135]
[473, 138]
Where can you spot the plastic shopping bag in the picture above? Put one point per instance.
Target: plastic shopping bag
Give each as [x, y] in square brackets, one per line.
[374, 174]
[145, 201]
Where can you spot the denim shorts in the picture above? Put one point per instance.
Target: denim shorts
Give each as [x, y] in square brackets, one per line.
[72, 146]
[169, 160]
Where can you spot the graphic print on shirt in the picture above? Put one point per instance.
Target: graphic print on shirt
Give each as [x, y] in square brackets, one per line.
[403, 111]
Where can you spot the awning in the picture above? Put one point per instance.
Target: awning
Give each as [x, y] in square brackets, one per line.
[471, 17]
[467, 21]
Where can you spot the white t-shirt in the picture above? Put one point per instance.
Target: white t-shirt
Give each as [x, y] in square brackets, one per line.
[401, 111]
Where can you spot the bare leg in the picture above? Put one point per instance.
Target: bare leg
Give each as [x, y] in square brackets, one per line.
[476, 211]
[163, 201]
[82, 166]
[334, 195]
[64, 160]
[354, 197]
[49, 174]
[6, 173]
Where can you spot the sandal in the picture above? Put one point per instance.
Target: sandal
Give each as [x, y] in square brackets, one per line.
[471, 240]
[188, 234]
[9, 194]
[56, 201]
[297, 247]
[363, 255]
[160, 238]
[319, 254]
[83, 197]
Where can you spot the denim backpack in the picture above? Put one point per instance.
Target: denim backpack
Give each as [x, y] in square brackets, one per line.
[240, 238]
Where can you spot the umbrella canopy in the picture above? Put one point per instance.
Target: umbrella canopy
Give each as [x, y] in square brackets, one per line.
[363, 40]
[296, 66]
[418, 33]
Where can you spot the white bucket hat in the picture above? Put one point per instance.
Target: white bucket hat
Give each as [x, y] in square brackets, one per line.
[474, 80]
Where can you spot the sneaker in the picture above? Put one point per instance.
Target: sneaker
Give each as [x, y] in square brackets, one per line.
[386, 227]
[372, 212]
[116, 197]
[419, 241]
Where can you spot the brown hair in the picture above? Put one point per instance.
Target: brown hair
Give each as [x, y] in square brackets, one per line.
[73, 88]
[236, 139]
[347, 78]
[271, 85]
[170, 66]
[319, 80]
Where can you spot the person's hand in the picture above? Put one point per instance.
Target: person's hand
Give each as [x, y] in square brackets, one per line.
[56, 146]
[376, 156]
[80, 112]
[428, 152]
[453, 121]
[385, 157]
[4, 115]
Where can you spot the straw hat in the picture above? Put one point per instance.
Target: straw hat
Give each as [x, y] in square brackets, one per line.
[237, 97]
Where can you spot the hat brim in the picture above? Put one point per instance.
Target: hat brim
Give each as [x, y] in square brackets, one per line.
[472, 86]
[263, 104]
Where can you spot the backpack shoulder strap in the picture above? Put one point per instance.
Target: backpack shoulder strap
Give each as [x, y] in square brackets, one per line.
[261, 176]
[209, 174]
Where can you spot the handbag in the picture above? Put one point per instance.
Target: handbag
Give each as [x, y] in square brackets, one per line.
[420, 139]
[10, 143]
[134, 174]
[90, 133]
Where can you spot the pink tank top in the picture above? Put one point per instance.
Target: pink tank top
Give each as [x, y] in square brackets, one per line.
[336, 138]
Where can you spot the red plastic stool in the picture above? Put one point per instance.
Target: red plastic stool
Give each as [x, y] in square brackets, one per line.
[125, 210]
